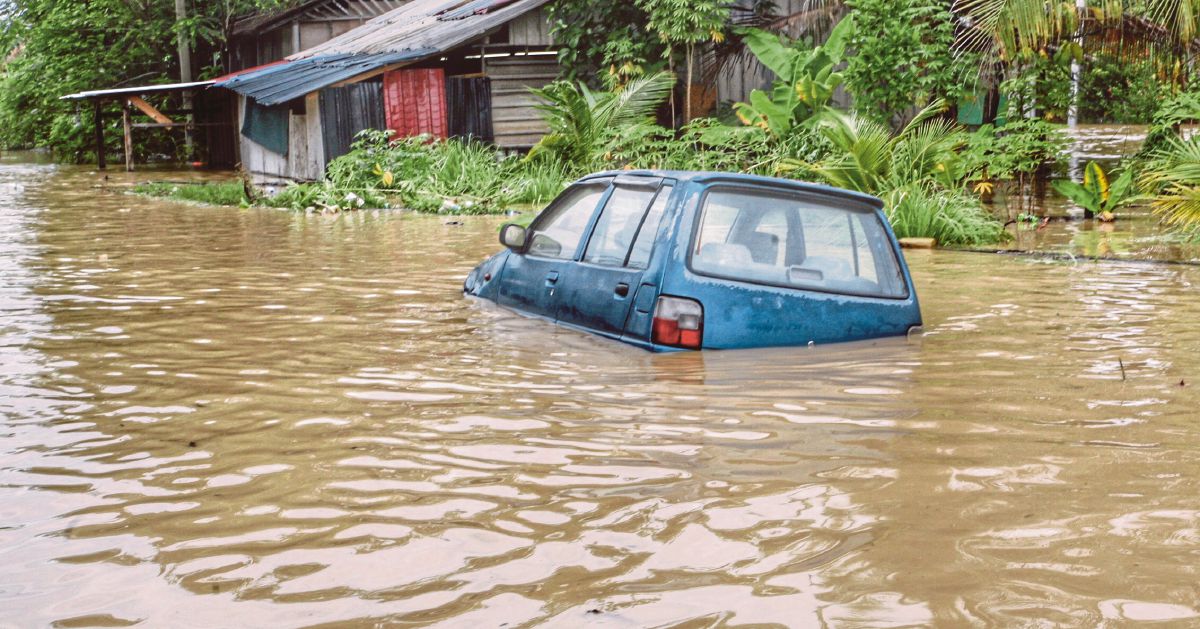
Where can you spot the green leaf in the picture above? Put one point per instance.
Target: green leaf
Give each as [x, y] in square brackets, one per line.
[772, 52]
[835, 46]
[1078, 194]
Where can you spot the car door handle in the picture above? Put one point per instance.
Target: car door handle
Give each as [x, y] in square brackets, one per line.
[622, 290]
[552, 277]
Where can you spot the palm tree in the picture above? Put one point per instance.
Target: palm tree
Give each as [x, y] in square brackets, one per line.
[579, 118]
[869, 158]
[1174, 174]
[1007, 30]
[1178, 17]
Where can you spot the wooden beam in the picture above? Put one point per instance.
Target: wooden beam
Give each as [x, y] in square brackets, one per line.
[101, 159]
[167, 112]
[171, 125]
[372, 74]
[128, 136]
[149, 110]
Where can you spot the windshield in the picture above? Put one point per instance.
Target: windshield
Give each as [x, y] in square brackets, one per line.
[796, 241]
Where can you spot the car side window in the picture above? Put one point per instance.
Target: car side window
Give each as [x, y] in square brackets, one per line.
[558, 232]
[618, 226]
[639, 257]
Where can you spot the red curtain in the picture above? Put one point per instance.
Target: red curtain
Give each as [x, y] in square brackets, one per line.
[415, 102]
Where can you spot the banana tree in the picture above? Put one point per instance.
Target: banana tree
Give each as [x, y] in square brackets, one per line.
[806, 79]
[1095, 195]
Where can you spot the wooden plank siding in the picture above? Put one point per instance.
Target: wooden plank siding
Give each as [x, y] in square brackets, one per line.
[305, 160]
[516, 124]
[531, 29]
[268, 38]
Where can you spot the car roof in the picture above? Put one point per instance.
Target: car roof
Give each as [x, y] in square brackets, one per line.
[705, 177]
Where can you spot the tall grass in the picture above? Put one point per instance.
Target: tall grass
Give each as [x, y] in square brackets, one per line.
[951, 217]
[210, 193]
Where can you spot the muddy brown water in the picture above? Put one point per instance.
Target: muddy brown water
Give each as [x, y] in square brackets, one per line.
[221, 417]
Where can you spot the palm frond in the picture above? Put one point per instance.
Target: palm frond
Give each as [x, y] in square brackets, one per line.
[935, 108]
[1180, 206]
[1005, 28]
[636, 101]
[1178, 163]
[1177, 16]
[863, 160]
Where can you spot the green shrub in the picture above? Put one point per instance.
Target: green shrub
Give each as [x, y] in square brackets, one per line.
[1015, 150]
[1172, 175]
[426, 175]
[953, 217]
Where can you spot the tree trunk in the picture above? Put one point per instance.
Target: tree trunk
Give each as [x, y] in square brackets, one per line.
[687, 106]
[671, 68]
[185, 71]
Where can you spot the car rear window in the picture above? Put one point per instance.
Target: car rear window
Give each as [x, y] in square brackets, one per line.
[796, 241]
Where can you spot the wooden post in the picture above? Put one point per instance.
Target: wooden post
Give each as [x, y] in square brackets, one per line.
[101, 159]
[128, 136]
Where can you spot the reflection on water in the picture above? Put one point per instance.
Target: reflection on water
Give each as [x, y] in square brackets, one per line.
[297, 420]
[1136, 235]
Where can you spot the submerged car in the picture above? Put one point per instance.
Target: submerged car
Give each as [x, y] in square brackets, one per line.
[690, 260]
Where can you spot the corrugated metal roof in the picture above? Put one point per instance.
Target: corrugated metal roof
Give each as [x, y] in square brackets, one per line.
[312, 11]
[278, 84]
[425, 24]
[419, 29]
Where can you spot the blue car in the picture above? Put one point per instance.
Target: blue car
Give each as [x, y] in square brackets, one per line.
[688, 260]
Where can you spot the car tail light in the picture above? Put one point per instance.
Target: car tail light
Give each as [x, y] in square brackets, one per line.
[678, 322]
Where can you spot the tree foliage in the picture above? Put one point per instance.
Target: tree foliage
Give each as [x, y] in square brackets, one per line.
[604, 42]
[903, 57]
[49, 48]
[806, 79]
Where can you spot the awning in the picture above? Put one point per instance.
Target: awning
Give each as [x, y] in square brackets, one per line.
[278, 84]
[134, 91]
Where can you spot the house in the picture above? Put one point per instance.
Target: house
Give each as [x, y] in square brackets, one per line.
[439, 67]
[266, 37]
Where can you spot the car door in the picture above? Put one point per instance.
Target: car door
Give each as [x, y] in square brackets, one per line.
[599, 288]
[530, 279]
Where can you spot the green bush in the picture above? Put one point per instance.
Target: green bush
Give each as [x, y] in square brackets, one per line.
[426, 175]
[904, 57]
[1016, 150]
[953, 217]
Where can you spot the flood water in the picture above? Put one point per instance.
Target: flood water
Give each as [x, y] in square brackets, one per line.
[222, 417]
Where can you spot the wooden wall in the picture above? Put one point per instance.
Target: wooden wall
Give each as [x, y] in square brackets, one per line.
[305, 160]
[316, 33]
[531, 29]
[516, 124]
